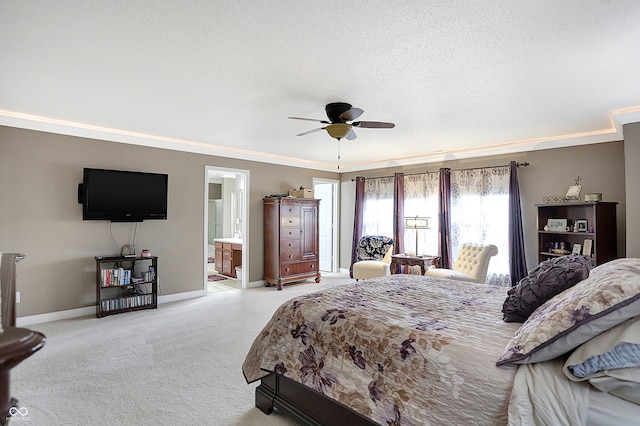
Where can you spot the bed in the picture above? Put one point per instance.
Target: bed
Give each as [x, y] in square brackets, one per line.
[408, 349]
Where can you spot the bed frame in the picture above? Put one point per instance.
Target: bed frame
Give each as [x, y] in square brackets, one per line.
[304, 404]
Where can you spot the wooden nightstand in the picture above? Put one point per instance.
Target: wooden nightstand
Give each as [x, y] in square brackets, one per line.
[424, 261]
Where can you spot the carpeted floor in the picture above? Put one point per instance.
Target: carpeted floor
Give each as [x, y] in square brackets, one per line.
[177, 365]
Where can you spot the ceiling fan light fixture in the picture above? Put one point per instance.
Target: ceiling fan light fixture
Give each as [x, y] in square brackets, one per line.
[338, 130]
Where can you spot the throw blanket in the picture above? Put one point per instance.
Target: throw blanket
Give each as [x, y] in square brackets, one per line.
[402, 349]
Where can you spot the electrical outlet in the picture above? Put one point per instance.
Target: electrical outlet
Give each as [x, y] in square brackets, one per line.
[17, 297]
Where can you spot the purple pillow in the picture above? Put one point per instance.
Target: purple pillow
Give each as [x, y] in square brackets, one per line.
[548, 279]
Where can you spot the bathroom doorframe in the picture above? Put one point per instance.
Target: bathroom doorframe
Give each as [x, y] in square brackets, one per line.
[244, 214]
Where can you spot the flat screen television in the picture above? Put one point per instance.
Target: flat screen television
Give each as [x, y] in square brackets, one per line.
[123, 196]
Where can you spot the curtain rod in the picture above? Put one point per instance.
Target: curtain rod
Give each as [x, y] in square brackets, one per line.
[525, 164]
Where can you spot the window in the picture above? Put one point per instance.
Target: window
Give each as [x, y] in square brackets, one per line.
[377, 211]
[421, 198]
[480, 214]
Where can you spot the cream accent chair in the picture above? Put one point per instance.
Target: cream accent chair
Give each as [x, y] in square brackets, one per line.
[471, 264]
[373, 260]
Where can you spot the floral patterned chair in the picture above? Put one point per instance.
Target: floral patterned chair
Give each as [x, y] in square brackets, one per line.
[373, 254]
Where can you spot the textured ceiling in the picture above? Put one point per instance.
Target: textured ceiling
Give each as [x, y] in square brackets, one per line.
[458, 78]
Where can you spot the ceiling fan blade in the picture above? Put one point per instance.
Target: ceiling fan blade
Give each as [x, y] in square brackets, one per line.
[351, 114]
[373, 124]
[310, 119]
[311, 131]
[351, 135]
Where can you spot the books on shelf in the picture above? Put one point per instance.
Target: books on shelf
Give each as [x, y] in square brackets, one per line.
[120, 276]
[125, 285]
[115, 277]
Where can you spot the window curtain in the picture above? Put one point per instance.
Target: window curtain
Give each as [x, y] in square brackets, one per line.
[517, 258]
[480, 214]
[444, 219]
[357, 221]
[398, 216]
[421, 198]
[377, 212]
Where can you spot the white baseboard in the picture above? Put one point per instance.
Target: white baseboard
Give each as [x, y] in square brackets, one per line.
[91, 310]
[55, 316]
[255, 284]
[181, 296]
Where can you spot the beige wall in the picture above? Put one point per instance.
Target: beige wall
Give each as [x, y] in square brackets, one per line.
[40, 215]
[551, 172]
[632, 171]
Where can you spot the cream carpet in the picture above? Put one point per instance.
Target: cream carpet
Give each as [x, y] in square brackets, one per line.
[177, 365]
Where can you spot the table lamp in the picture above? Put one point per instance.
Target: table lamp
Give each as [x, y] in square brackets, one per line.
[416, 223]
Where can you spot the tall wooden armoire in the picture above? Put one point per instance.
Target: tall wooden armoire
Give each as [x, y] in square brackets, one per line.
[291, 240]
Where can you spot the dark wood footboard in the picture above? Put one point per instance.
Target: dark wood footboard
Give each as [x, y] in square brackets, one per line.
[304, 404]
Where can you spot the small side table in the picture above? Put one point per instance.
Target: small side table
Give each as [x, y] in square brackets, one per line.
[424, 261]
[16, 344]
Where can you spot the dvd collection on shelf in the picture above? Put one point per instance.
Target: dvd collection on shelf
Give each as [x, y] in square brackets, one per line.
[127, 302]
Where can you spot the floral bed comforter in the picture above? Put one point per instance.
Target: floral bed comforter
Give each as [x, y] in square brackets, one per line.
[404, 349]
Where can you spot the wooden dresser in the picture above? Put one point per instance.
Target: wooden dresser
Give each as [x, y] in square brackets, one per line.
[291, 242]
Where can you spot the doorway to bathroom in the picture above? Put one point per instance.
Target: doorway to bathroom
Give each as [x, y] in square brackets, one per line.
[226, 234]
[327, 191]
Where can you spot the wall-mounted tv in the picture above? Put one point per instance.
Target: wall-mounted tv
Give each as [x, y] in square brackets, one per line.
[123, 196]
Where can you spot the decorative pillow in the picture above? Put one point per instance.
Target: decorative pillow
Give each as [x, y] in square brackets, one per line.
[551, 277]
[610, 296]
[616, 348]
[373, 247]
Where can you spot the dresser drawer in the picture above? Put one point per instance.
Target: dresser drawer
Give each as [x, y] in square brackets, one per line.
[290, 233]
[290, 210]
[289, 256]
[296, 268]
[290, 221]
[290, 245]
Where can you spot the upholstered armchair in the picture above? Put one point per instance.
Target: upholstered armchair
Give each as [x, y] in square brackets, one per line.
[471, 264]
[373, 254]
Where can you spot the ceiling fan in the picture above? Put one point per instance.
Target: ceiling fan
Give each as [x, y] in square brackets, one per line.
[341, 124]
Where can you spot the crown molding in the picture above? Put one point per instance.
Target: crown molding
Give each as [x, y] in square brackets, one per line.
[618, 119]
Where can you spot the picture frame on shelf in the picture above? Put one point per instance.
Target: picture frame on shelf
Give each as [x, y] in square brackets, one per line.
[577, 248]
[573, 193]
[586, 247]
[558, 225]
[581, 225]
